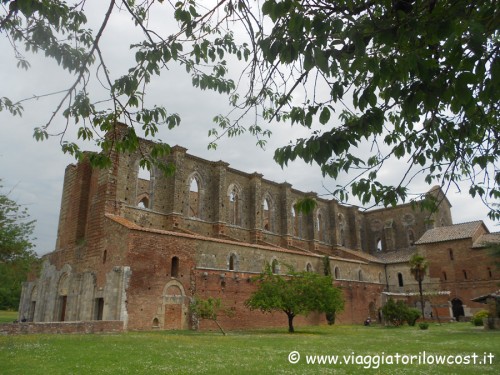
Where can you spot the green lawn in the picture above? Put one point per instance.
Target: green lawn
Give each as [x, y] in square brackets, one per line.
[255, 352]
[7, 316]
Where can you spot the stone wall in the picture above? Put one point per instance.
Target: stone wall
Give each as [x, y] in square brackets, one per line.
[79, 291]
[213, 199]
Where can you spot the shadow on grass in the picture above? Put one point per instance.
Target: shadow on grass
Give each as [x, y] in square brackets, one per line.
[281, 331]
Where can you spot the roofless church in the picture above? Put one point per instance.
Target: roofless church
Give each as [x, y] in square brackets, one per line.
[137, 248]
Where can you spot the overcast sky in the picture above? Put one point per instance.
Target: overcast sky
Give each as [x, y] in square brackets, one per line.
[32, 172]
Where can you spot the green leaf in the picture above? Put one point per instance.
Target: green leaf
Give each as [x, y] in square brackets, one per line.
[324, 117]
[321, 60]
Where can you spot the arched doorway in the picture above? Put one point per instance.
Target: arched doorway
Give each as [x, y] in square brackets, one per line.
[457, 308]
[33, 298]
[372, 311]
[62, 298]
[175, 310]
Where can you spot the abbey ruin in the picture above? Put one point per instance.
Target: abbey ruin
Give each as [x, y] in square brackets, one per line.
[138, 249]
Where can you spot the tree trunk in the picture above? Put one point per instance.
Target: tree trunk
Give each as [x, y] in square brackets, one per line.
[290, 322]
[224, 333]
[421, 298]
[437, 314]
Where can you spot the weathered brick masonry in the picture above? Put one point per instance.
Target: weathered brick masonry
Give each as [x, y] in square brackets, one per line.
[138, 247]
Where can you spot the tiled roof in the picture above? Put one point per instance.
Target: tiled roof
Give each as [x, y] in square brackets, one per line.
[448, 233]
[484, 298]
[486, 239]
[356, 254]
[399, 256]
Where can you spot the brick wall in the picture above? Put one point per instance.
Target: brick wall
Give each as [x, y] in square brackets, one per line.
[465, 271]
[91, 244]
[234, 288]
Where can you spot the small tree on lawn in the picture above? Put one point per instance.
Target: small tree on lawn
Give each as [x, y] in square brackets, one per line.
[295, 294]
[209, 309]
[418, 266]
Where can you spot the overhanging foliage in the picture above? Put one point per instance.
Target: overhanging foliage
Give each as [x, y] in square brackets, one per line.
[423, 78]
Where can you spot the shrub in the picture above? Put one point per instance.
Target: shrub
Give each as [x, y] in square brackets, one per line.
[412, 315]
[477, 319]
[395, 312]
[398, 312]
[423, 325]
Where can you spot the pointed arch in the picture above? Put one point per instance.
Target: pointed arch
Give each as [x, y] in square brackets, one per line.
[63, 285]
[411, 237]
[268, 213]
[321, 225]
[144, 173]
[341, 228]
[144, 186]
[196, 190]
[235, 204]
[297, 221]
[143, 201]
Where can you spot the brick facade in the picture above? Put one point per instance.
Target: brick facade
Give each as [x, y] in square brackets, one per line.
[138, 247]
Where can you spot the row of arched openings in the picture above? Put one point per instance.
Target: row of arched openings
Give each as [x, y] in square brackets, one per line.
[360, 275]
[233, 264]
[235, 201]
[320, 226]
[235, 205]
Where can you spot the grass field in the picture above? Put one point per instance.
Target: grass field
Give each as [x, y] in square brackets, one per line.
[7, 316]
[254, 352]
